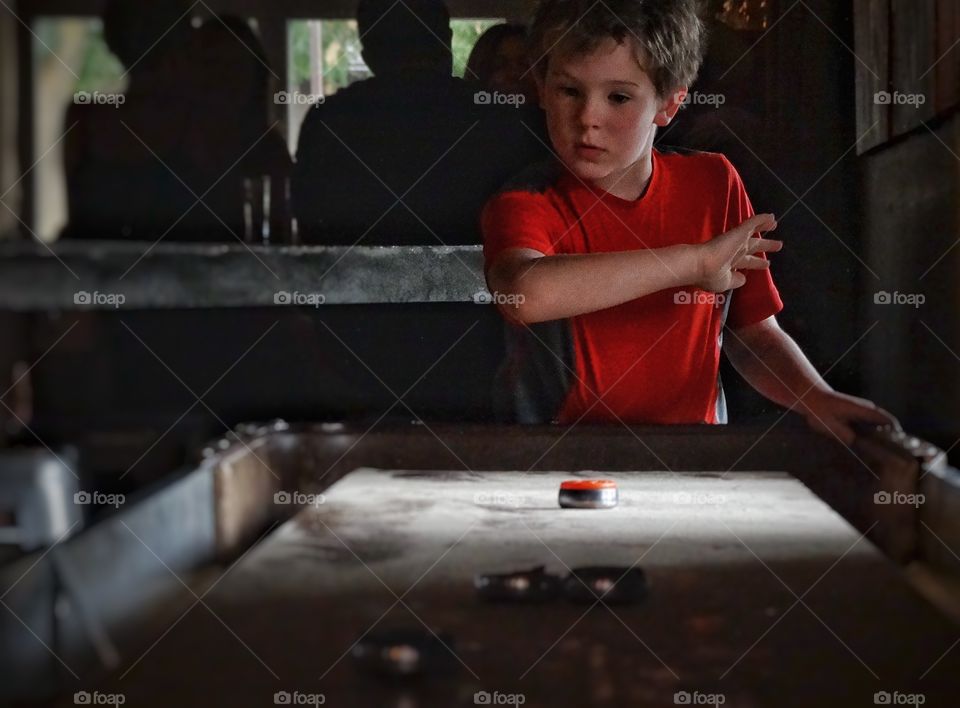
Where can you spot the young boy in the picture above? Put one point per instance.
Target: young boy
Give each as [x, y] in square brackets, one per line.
[609, 256]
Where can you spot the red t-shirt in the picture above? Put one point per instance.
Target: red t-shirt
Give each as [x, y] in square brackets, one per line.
[651, 360]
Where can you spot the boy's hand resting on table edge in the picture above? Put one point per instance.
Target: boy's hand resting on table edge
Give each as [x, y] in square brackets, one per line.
[831, 413]
[722, 257]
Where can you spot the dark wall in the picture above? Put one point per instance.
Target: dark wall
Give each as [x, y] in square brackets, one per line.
[911, 225]
[908, 208]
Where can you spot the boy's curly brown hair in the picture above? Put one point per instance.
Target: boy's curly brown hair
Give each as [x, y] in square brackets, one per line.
[668, 36]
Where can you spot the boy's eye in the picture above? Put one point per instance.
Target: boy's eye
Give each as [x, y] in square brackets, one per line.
[619, 98]
[568, 91]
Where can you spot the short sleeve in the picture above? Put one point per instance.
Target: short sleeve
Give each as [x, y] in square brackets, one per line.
[516, 219]
[758, 299]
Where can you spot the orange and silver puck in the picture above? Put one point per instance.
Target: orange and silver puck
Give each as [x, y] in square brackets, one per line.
[589, 494]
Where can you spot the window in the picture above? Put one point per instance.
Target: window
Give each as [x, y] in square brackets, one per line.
[69, 55]
[325, 56]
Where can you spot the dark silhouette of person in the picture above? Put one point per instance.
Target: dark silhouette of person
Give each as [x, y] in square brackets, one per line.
[193, 124]
[499, 61]
[115, 187]
[409, 156]
[232, 138]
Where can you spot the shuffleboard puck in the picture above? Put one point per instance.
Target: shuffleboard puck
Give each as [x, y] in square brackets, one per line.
[611, 584]
[402, 653]
[589, 494]
[534, 585]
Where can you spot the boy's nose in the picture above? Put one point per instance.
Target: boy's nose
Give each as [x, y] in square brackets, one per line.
[589, 114]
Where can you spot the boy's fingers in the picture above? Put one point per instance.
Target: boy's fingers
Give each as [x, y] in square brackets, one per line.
[878, 416]
[751, 263]
[759, 222]
[765, 245]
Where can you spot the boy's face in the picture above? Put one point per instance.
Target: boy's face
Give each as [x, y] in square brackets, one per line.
[602, 114]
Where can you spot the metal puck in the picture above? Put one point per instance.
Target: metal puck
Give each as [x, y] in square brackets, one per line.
[534, 585]
[589, 494]
[402, 653]
[612, 584]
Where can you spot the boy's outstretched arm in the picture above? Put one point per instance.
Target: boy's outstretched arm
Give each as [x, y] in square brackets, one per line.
[555, 287]
[771, 362]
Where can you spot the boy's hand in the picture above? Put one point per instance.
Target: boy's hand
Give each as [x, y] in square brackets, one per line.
[831, 413]
[721, 258]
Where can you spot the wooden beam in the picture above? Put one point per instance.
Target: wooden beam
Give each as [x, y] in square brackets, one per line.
[947, 69]
[871, 20]
[913, 48]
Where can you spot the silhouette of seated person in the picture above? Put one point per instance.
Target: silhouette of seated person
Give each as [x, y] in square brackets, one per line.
[193, 124]
[499, 61]
[196, 110]
[412, 132]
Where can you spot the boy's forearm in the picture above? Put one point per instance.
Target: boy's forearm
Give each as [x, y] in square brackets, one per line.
[773, 364]
[557, 287]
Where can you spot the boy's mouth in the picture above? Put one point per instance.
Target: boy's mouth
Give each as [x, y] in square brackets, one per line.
[588, 150]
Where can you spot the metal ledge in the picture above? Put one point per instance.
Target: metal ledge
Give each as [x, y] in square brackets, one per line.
[103, 275]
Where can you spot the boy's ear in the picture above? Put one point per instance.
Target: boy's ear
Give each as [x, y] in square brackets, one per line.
[671, 104]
